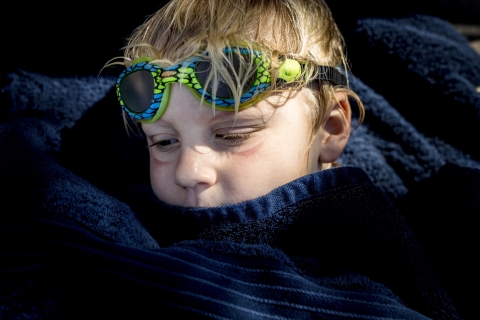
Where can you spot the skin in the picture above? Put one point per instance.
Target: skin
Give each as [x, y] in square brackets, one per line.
[201, 158]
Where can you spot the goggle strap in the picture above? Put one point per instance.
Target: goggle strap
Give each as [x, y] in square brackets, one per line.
[291, 69]
[332, 75]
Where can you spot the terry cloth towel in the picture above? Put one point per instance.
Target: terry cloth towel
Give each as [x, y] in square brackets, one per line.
[76, 201]
[422, 100]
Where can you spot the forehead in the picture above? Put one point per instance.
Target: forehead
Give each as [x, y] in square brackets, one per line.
[184, 106]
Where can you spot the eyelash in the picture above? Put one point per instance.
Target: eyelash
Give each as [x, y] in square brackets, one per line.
[234, 138]
[158, 145]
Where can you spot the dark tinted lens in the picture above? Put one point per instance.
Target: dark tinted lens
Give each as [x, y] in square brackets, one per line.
[137, 91]
[223, 90]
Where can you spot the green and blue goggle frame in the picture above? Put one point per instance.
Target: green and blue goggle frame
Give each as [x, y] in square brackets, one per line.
[143, 89]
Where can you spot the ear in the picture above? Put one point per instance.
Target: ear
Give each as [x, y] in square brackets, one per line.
[333, 133]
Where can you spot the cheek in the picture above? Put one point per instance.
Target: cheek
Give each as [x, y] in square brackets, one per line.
[157, 168]
[255, 171]
[159, 176]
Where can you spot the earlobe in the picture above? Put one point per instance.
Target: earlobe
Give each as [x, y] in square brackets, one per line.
[333, 134]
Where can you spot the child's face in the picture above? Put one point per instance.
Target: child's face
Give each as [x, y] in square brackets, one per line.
[198, 159]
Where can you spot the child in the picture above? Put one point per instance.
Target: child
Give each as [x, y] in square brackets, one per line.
[244, 108]
[287, 113]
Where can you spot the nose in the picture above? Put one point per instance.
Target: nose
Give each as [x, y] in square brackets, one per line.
[195, 167]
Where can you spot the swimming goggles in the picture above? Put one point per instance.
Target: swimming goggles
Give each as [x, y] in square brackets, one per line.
[143, 89]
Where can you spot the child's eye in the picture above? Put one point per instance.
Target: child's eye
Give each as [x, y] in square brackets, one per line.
[234, 138]
[164, 144]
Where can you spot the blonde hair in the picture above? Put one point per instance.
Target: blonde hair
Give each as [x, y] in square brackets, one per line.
[302, 30]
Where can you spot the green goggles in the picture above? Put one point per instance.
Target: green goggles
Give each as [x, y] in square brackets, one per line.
[144, 88]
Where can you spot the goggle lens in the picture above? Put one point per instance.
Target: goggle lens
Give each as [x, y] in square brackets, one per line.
[137, 90]
[202, 72]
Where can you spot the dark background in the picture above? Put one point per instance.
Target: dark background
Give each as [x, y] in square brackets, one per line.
[76, 38]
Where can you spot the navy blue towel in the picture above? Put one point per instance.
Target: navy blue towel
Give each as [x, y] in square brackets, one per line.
[78, 214]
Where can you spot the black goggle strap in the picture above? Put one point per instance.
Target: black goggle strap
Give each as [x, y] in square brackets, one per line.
[332, 75]
[291, 69]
